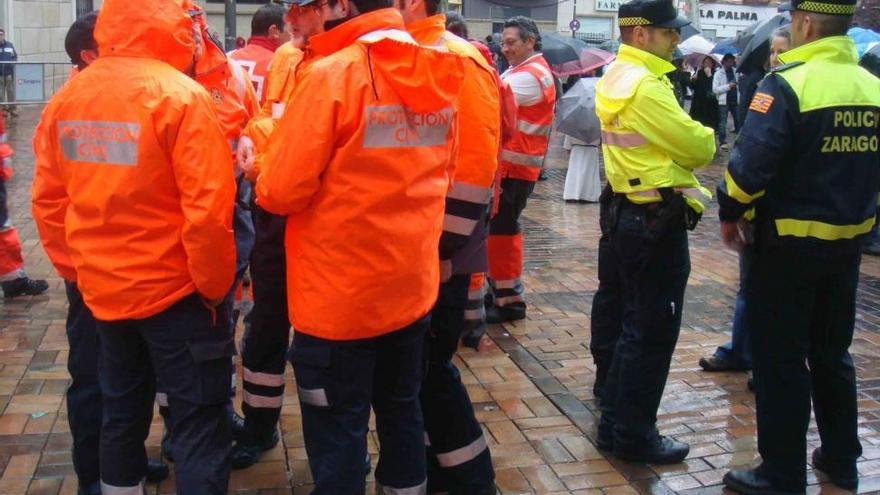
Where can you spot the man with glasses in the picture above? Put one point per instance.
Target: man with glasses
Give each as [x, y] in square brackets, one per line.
[267, 336]
[651, 147]
[522, 156]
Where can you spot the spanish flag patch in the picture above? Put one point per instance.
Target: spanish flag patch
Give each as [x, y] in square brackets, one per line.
[761, 102]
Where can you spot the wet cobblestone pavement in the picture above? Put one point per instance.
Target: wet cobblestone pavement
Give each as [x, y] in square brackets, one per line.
[531, 390]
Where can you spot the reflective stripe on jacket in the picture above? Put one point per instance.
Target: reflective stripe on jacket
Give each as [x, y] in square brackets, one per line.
[523, 154]
[648, 141]
[478, 140]
[133, 179]
[807, 157]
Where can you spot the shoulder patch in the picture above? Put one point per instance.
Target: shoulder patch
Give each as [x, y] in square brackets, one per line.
[783, 67]
[761, 103]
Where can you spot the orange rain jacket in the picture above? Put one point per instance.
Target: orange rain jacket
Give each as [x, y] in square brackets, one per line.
[464, 233]
[289, 63]
[361, 164]
[229, 86]
[133, 188]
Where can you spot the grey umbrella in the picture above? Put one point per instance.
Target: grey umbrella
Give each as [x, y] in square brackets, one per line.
[576, 111]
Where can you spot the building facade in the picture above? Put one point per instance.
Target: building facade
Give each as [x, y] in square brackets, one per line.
[37, 27]
[487, 16]
[597, 19]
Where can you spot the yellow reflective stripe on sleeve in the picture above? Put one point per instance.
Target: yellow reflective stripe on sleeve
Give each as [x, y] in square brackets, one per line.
[736, 192]
[821, 230]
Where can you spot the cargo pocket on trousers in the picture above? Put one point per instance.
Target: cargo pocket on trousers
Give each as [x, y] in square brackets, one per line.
[311, 367]
[213, 362]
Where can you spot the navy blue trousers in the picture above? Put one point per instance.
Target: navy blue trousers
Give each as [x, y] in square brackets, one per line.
[459, 461]
[337, 383]
[84, 393]
[186, 350]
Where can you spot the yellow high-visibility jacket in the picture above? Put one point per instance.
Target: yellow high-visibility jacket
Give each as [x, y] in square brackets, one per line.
[648, 141]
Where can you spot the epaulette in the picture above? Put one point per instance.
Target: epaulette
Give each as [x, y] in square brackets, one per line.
[780, 68]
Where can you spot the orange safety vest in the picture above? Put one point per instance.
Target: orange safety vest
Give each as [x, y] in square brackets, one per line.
[523, 155]
[255, 60]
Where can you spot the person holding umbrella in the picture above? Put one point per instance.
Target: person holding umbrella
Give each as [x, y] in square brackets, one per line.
[704, 104]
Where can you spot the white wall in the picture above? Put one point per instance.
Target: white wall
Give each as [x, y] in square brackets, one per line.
[38, 28]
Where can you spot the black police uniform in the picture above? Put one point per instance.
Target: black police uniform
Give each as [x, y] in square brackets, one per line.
[807, 160]
[644, 262]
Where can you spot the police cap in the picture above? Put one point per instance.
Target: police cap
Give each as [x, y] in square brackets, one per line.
[657, 13]
[831, 7]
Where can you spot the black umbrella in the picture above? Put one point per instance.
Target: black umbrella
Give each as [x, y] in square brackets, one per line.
[688, 31]
[758, 33]
[871, 60]
[558, 49]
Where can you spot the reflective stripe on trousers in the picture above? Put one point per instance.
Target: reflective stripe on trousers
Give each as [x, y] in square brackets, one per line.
[413, 490]
[122, 490]
[465, 454]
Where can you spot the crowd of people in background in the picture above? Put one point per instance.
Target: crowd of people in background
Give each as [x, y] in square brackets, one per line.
[363, 165]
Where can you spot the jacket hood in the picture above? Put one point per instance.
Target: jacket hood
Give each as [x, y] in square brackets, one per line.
[213, 57]
[425, 79]
[617, 88]
[156, 29]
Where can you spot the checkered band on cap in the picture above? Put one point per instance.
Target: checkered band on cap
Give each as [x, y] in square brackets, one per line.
[827, 8]
[632, 21]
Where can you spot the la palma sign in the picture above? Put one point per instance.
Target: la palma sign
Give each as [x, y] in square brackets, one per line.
[733, 15]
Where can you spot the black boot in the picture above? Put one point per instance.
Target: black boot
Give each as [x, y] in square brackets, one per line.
[753, 482]
[842, 477]
[157, 470]
[24, 286]
[662, 450]
[247, 453]
[500, 314]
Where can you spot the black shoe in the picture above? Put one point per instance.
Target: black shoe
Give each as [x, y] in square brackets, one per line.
[717, 364]
[752, 482]
[157, 470]
[166, 446]
[663, 450]
[543, 176]
[24, 286]
[848, 479]
[245, 454]
[236, 424]
[500, 314]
